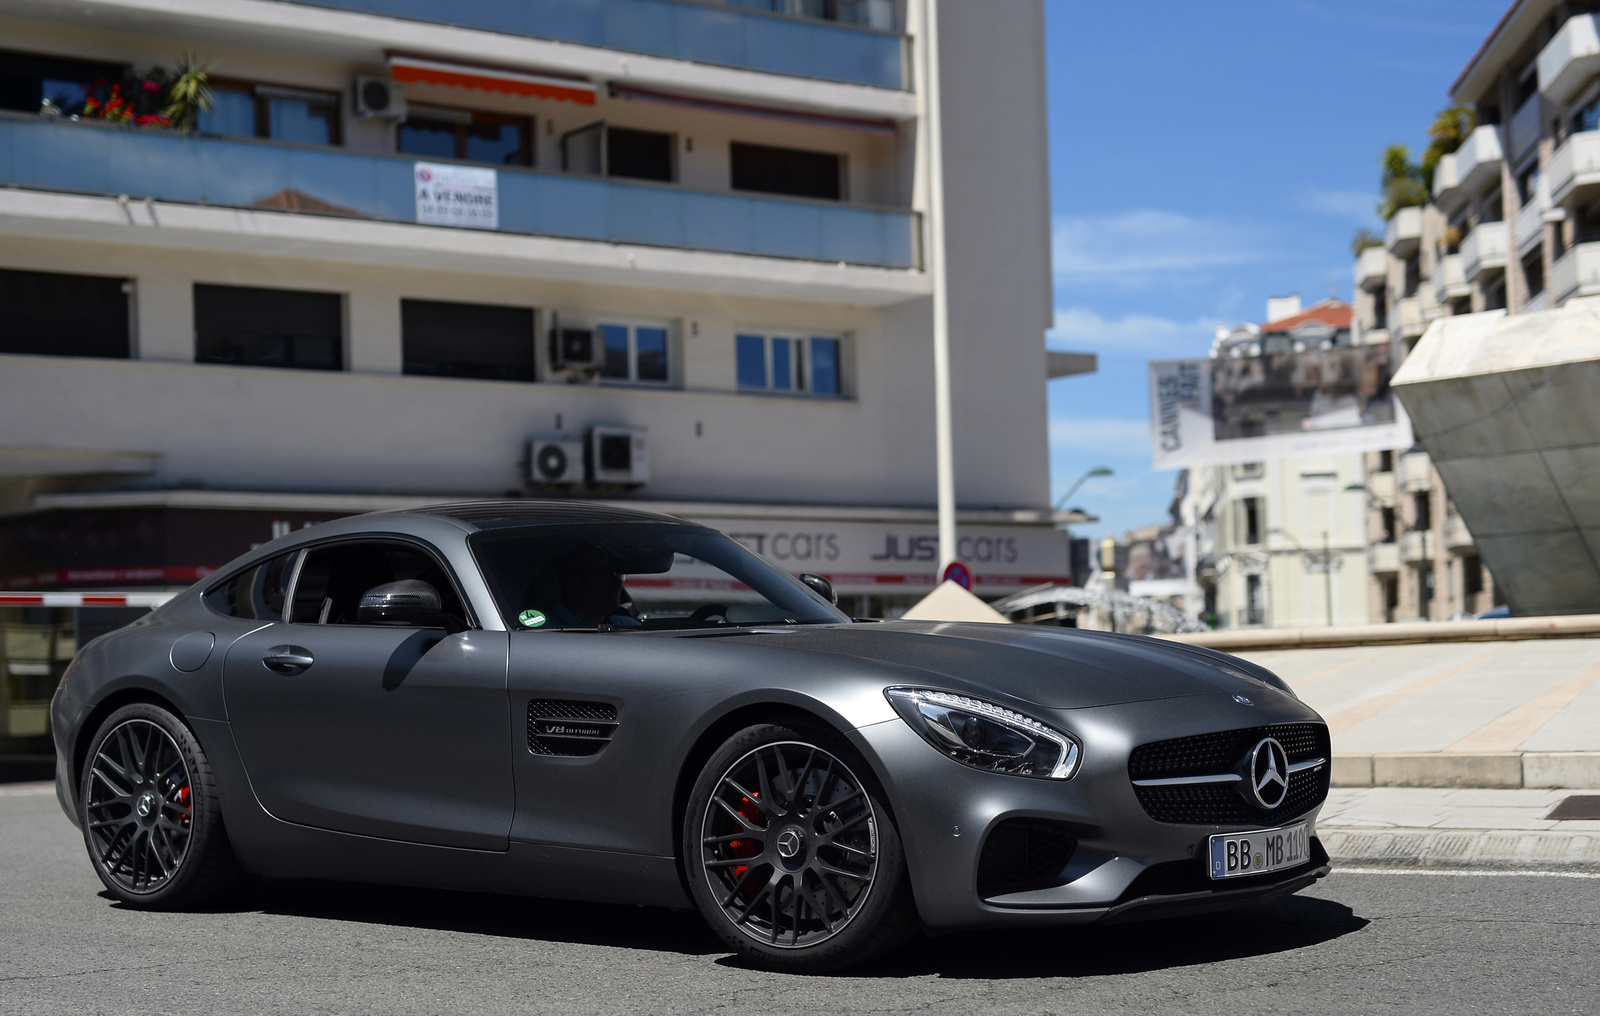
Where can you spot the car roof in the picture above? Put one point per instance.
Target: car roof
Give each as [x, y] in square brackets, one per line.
[499, 514]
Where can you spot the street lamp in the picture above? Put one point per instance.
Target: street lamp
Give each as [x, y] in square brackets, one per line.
[1311, 557]
[1096, 471]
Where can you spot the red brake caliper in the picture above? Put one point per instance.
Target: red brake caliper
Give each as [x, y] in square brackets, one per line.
[183, 802]
[745, 848]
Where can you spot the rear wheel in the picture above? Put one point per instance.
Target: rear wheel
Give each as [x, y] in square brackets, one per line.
[150, 815]
[791, 854]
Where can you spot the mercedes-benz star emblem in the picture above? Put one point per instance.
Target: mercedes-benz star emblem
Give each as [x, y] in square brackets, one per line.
[146, 804]
[789, 843]
[1269, 773]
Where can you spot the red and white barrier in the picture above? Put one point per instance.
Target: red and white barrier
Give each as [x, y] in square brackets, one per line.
[150, 600]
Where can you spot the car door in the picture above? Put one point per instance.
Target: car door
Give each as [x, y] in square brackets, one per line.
[377, 729]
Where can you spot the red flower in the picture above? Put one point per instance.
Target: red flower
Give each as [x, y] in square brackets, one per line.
[151, 86]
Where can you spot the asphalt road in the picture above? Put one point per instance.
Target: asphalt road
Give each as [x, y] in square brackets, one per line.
[1356, 943]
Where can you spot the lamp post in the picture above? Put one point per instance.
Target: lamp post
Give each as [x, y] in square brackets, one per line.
[1324, 558]
[944, 439]
[1096, 471]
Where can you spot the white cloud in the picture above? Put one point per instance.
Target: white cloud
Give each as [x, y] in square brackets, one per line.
[1359, 205]
[1140, 246]
[1106, 435]
[1080, 327]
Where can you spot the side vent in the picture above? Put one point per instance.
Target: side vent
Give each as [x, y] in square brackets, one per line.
[556, 727]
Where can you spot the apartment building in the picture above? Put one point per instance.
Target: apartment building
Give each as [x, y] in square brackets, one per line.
[1279, 542]
[666, 251]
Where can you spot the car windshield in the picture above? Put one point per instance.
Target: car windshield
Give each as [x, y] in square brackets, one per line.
[637, 576]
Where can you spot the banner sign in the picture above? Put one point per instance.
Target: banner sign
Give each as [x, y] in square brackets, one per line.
[1274, 405]
[464, 196]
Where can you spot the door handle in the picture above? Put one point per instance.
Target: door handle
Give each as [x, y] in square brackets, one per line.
[288, 660]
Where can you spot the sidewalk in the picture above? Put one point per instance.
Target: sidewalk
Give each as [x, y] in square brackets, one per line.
[1434, 828]
[1517, 714]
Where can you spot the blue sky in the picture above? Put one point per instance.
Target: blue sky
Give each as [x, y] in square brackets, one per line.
[1203, 157]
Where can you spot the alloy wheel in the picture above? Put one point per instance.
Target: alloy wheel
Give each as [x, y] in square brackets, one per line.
[139, 811]
[789, 844]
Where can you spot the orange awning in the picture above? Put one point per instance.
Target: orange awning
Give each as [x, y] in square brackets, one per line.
[414, 70]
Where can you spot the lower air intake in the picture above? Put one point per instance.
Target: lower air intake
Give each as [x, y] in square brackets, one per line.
[1022, 854]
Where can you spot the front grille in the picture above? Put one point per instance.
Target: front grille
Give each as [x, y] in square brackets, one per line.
[1022, 854]
[557, 727]
[1221, 752]
[1174, 878]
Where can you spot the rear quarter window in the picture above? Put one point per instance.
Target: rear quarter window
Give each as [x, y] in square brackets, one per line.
[255, 594]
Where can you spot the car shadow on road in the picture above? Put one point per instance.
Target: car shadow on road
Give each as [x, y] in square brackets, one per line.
[627, 927]
[1283, 925]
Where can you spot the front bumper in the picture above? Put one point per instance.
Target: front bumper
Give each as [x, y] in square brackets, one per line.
[1125, 866]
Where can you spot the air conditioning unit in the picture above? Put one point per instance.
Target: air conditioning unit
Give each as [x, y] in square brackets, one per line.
[575, 349]
[618, 455]
[554, 461]
[379, 98]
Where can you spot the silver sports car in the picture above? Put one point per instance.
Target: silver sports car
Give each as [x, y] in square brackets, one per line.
[581, 701]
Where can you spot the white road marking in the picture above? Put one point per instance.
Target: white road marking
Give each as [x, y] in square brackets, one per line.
[1468, 872]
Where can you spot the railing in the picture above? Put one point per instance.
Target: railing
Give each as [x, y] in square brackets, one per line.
[1456, 534]
[703, 33]
[1404, 232]
[1478, 158]
[1570, 58]
[1449, 282]
[1447, 192]
[1415, 547]
[1575, 167]
[1372, 268]
[1525, 126]
[1409, 311]
[1483, 250]
[1383, 558]
[1575, 273]
[1527, 232]
[167, 166]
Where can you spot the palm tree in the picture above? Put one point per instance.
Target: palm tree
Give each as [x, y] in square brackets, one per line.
[189, 93]
[1402, 182]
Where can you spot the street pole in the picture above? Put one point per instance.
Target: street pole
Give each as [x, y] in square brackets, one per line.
[944, 452]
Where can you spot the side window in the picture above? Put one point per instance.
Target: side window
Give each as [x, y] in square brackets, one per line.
[333, 579]
[255, 594]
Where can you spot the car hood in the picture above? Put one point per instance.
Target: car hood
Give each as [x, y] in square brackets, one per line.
[1059, 668]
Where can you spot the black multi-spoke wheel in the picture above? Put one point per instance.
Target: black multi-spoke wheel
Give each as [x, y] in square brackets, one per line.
[150, 817]
[791, 855]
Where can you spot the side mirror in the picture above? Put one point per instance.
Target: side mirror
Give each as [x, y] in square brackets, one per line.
[822, 587]
[408, 602]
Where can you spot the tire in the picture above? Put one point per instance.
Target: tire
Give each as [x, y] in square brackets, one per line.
[151, 818]
[791, 853]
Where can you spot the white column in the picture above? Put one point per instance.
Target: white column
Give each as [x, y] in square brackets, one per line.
[944, 453]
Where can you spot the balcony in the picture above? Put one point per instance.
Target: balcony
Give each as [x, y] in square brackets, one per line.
[1417, 546]
[1524, 132]
[1383, 558]
[704, 33]
[1432, 307]
[1404, 234]
[1570, 58]
[1372, 269]
[1527, 231]
[1449, 282]
[1478, 159]
[1447, 192]
[1416, 473]
[1575, 273]
[1409, 311]
[165, 166]
[1484, 250]
[1574, 171]
[1382, 487]
[1457, 538]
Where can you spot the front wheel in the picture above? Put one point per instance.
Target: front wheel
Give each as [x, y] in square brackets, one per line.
[150, 814]
[791, 853]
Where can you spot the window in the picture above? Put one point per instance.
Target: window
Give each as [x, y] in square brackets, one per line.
[255, 594]
[1533, 271]
[1472, 575]
[1250, 520]
[46, 314]
[1255, 611]
[635, 353]
[787, 171]
[240, 109]
[1422, 510]
[1386, 461]
[332, 580]
[440, 133]
[245, 326]
[602, 150]
[1587, 118]
[27, 80]
[466, 340]
[786, 363]
[1388, 523]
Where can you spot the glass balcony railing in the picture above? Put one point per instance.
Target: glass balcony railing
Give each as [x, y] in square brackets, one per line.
[97, 159]
[704, 33]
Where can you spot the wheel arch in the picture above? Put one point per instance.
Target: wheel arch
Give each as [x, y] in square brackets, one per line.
[90, 725]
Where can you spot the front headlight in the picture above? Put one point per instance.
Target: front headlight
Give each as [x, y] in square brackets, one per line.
[986, 736]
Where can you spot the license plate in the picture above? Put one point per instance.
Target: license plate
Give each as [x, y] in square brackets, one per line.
[1259, 851]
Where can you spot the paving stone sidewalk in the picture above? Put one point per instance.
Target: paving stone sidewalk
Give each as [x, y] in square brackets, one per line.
[1425, 827]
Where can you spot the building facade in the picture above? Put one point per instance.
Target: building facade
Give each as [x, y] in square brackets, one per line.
[658, 250]
[1281, 542]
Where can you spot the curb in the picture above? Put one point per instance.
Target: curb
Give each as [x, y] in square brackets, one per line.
[1564, 770]
[1569, 626]
[1461, 848]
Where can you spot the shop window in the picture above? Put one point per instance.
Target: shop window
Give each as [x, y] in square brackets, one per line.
[635, 353]
[602, 150]
[240, 109]
[246, 326]
[46, 314]
[787, 171]
[28, 80]
[466, 340]
[788, 363]
[472, 136]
